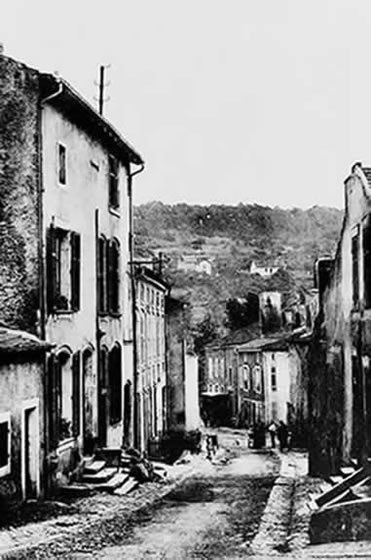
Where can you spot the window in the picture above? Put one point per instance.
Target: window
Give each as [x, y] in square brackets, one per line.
[114, 379]
[366, 234]
[258, 378]
[102, 274]
[273, 379]
[355, 266]
[114, 276]
[63, 396]
[4, 443]
[108, 271]
[245, 377]
[230, 376]
[63, 270]
[114, 195]
[62, 164]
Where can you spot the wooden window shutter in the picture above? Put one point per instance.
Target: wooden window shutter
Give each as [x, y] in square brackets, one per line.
[110, 275]
[102, 272]
[115, 384]
[75, 270]
[114, 277]
[367, 261]
[51, 269]
[76, 393]
[53, 390]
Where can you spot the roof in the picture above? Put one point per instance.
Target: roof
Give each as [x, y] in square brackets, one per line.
[265, 343]
[151, 277]
[236, 337]
[15, 342]
[70, 101]
[60, 93]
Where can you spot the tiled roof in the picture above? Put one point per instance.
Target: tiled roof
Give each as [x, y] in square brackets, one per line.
[239, 336]
[264, 343]
[14, 342]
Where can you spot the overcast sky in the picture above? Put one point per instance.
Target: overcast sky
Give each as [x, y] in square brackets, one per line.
[228, 101]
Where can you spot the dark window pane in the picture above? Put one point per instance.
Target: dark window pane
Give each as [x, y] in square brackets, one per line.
[62, 164]
[4, 427]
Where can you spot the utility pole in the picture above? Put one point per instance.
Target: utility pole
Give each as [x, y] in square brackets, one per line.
[101, 87]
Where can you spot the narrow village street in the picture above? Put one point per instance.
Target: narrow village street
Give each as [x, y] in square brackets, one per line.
[214, 512]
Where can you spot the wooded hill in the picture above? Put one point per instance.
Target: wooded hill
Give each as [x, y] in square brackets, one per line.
[231, 237]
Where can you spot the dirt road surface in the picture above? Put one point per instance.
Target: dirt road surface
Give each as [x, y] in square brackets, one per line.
[213, 515]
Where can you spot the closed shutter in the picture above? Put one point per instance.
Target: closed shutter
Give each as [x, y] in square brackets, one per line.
[4, 443]
[76, 394]
[53, 399]
[51, 269]
[114, 277]
[355, 267]
[367, 261]
[75, 270]
[110, 276]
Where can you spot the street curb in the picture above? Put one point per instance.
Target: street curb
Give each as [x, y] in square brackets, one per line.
[272, 536]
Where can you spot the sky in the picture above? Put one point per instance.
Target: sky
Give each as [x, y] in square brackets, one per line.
[227, 101]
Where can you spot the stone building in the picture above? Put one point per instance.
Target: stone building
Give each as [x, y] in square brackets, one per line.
[64, 177]
[340, 360]
[182, 370]
[22, 408]
[251, 378]
[151, 291]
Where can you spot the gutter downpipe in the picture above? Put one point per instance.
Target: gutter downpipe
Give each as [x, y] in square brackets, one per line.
[133, 305]
[42, 296]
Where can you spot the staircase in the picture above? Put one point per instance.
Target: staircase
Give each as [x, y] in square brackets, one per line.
[106, 471]
[343, 509]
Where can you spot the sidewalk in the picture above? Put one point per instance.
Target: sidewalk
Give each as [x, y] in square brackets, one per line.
[284, 527]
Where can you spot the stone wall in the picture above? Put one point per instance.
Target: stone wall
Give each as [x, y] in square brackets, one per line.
[19, 184]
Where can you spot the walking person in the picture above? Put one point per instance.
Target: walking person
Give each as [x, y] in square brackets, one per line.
[272, 430]
[282, 433]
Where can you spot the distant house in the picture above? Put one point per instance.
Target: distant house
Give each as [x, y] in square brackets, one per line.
[251, 378]
[219, 390]
[263, 271]
[22, 408]
[195, 263]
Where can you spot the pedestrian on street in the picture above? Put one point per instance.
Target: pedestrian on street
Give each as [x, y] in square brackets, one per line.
[282, 433]
[272, 430]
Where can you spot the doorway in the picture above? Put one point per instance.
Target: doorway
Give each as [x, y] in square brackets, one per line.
[88, 402]
[30, 452]
[103, 397]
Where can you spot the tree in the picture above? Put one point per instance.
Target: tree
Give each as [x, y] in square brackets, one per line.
[242, 312]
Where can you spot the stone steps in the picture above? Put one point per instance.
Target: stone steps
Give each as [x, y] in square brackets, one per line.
[94, 467]
[100, 477]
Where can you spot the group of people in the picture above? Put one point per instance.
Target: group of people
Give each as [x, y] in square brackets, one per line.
[277, 431]
[283, 434]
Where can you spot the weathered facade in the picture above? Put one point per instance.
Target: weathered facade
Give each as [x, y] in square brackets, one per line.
[64, 177]
[220, 391]
[340, 386]
[151, 356]
[182, 370]
[251, 379]
[22, 408]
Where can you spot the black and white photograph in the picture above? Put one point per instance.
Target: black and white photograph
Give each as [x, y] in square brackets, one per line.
[185, 279]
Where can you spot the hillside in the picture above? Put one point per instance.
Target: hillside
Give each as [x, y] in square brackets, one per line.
[231, 237]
